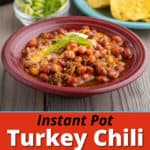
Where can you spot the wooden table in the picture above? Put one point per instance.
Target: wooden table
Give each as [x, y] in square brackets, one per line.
[15, 96]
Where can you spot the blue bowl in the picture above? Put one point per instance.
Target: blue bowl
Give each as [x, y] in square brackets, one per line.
[105, 14]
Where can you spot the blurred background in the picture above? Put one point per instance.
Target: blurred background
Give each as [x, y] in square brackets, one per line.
[2, 2]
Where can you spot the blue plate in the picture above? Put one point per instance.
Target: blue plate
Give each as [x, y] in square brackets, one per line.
[105, 14]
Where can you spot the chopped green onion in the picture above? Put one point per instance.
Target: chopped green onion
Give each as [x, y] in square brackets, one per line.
[40, 8]
[61, 43]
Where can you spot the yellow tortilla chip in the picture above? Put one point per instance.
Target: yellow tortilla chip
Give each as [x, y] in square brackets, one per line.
[131, 10]
[98, 3]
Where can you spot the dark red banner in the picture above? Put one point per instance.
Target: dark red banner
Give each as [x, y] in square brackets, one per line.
[74, 131]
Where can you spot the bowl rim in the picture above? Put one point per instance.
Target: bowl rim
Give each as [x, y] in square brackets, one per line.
[73, 91]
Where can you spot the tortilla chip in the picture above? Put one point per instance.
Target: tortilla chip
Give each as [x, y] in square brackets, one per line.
[131, 10]
[98, 3]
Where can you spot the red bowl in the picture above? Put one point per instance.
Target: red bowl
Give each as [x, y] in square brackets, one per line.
[11, 53]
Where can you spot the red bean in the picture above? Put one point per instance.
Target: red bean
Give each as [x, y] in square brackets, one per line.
[28, 63]
[127, 53]
[82, 49]
[101, 70]
[90, 35]
[45, 69]
[24, 53]
[32, 43]
[116, 50]
[86, 30]
[62, 31]
[107, 46]
[78, 59]
[102, 41]
[99, 47]
[118, 40]
[120, 68]
[103, 53]
[62, 62]
[86, 76]
[34, 70]
[113, 74]
[55, 68]
[47, 35]
[74, 80]
[52, 57]
[97, 54]
[86, 27]
[89, 52]
[92, 59]
[72, 45]
[90, 70]
[50, 36]
[81, 69]
[103, 79]
[120, 57]
[69, 54]
[44, 77]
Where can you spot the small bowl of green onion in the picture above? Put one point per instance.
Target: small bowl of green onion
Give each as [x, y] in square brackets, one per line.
[30, 11]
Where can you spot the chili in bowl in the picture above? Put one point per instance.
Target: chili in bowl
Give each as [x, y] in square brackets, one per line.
[75, 56]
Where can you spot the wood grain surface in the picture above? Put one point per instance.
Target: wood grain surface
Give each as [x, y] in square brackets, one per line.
[15, 96]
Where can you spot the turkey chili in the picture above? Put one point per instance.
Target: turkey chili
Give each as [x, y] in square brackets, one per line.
[76, 57]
